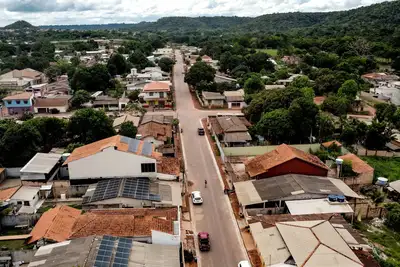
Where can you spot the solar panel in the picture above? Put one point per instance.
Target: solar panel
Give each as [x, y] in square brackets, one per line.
[104, 253]
[125, 139]
[106, 189]
[147, 149]
[139, 188]
[133, 145]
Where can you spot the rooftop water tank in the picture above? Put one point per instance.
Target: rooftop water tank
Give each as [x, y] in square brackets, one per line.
[332, 198]
[382, 181]
[341, 198]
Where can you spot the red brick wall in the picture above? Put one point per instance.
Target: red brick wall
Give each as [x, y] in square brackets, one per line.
[295, 166]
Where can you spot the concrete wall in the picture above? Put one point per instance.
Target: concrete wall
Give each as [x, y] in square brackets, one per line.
[109, 163]
[22, 219]
[162, 238]
[77, 190]
[242, 105]
[62, 109]
[33, 176]
[13, 172]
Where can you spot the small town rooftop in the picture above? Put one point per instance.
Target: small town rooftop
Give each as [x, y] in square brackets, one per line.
[41, 163]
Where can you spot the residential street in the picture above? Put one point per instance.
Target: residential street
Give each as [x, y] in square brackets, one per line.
[215, 215]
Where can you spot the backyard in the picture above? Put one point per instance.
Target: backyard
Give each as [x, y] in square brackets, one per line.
[385, 167]
[271, 52]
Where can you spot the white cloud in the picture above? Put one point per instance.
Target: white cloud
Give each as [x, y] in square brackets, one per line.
[44, 12]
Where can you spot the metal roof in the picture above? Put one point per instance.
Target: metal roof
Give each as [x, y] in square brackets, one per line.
[288, 186]
[41, 163]
[231, 124]
[237, 137]
[317, 206]
[26, 193]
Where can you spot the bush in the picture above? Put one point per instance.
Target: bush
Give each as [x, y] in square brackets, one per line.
[393, 216]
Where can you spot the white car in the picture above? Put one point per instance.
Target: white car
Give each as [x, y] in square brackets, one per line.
[196, 198]
[244, 264]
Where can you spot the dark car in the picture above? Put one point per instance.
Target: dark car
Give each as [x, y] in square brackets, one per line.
[200, 131]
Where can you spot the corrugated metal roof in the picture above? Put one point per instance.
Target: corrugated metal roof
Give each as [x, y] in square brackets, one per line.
[41, 163]
[316, 206]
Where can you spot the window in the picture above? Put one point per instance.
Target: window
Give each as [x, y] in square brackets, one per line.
[161, 95]
[148, 167]
[151, 94]
[9, 102]
[25, 101]
[26, 203]
[17, 101]
[19, 202]
[236, 104]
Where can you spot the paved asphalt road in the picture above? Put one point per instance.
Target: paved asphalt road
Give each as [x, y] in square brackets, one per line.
[215, 215]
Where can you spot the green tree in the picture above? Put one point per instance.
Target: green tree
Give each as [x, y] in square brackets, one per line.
[95, 78]
[71, 147]
[89, 125]
[134, 95]
[52, 131]
[119, 62]
[349, 89]
[139, 60]
[308, 93]
[302, 113]
[276, 126]
[75, 61]
[52, 73]
[378, 135]
[19, 144]
[258, 61]
[80, 97]
[396, 63]
[253, 85]
[128, 129]
[385, 112]
[393, 216]
[336, 105]
[301, 82]
[325, 127]
[282, 73]
[166, 64]
[199, 72]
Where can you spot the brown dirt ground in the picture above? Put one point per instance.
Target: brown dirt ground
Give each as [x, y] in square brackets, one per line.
[254, 258]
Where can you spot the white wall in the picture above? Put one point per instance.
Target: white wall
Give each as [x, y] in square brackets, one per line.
[156, 95]
[242, 105]
[162, 238]
[109, 163]
[61, 109]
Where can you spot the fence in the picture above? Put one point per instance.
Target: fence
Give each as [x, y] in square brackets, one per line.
[21, 219]
[365, 210]
[377, 153]
[221, 151]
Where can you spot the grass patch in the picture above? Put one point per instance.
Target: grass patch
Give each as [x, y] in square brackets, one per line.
[76, 206]
[271, 52]
[385, 239]
[385, 167]
[15, 244]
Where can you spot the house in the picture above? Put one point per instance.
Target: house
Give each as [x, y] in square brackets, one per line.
[155, 133]
[390, 90]
[291, 60]
[163, 51]
[285, 160]
[235, 99]
[19, 103]
[55, 225]
[330, 144]
[156, 94]
[376, 78]
[37, 89]
[222, 79]
[313, 243]
[274, 86]
[20, 79]
[132, 193]
[117, 157]
[365, 173]
[138, 85]
[58, 103]
[289, 80]
[123, 102]
[124, 118]
[27, 199]
[105, 102]
[42, 168]
[61, 86]
[161, 119]
[230, 130]
[95, 251]
[212, 99]
[206, 59]
[280, 194]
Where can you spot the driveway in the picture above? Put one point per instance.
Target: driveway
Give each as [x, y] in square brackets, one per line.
[215, 215]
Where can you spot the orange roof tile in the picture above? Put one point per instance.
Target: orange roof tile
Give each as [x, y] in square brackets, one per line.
[21, 96]
[318, 100]
[55, 224]
[156, 87]
[6, 194]
[125, 222]
[96, 147]
[358, 165]
[329, 143]
[159, 131]
[281, 154]
[168, 165]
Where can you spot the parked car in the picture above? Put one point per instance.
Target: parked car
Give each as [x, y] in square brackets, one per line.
[200, 131]
[244, 264]
[204, 241]
[196, 198]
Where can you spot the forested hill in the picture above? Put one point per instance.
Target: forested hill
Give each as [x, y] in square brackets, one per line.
[378, 17]
[20, 24]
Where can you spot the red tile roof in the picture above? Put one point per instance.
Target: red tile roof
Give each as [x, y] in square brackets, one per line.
[159, 131]
[21, 96]
[281, 154]
[96, 147]
[55, 224]
[156, 87]
[329, 143]
[51, 102]
[125, 222]
[358, 165]
[6, 194]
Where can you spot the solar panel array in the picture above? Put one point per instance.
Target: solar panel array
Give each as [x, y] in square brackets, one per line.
[107, 254]
[133, 144]
[106, 190]
[139, 188]
[123, 252]
[147, 149]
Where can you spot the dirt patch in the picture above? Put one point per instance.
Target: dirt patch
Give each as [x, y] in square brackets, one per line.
[254, 258]
[195, 101]
[235, 205]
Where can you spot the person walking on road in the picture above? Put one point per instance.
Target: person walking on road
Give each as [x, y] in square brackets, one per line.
[205, 183]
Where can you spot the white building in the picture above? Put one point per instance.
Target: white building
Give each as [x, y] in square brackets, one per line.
[116, 157]
[388, 89]
[41, 168]
[27, 199]
[20, 79]
[235, 99]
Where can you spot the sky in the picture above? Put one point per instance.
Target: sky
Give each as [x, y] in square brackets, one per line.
[51, 12]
